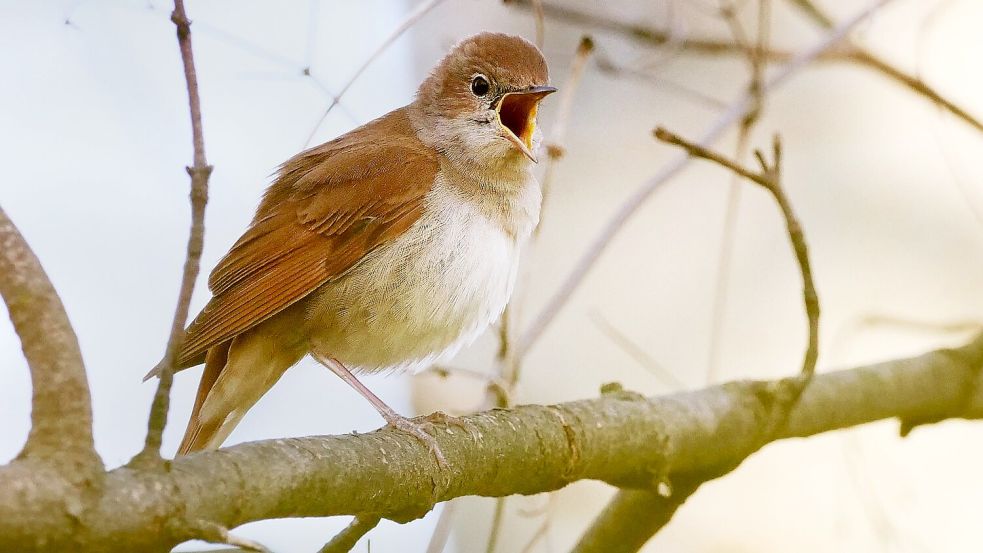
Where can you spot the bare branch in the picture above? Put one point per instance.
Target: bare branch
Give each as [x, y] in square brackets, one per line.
[61, 407]
[347, 538]
[734, 113]
[199, 172]
[621, 438]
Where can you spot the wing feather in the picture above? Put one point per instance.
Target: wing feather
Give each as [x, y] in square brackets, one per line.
[327, 209]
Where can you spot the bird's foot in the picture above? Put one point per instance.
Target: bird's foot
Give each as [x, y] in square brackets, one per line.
[416, 430]
[439, 417]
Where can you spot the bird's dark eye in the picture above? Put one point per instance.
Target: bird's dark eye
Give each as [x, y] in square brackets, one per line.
[479, 85]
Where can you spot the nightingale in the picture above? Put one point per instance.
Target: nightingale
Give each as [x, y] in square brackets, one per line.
[386, 249]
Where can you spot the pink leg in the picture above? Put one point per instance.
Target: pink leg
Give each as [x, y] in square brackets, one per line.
[393, 418]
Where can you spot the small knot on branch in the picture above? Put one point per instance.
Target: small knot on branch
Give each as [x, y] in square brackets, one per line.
[181, 21]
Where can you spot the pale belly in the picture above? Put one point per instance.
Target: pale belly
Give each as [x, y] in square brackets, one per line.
[419, 299]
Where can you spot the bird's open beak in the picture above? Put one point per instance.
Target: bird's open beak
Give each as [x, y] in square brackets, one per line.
[517, 116]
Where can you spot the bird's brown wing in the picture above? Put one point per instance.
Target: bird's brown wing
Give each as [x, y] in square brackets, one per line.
[327, 209]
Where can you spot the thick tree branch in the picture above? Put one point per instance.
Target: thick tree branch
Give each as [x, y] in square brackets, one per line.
[199, 172]
[61, 407]
[623, 439]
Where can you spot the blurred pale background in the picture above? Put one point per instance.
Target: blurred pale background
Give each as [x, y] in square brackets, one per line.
[94, 136]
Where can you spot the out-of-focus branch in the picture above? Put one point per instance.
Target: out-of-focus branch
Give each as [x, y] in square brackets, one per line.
[199, 172]
[61, 407]
[658, 37]
[813, 12]
[621, 438]
[842, 52]
[410, 20]
[867, 59]
[554, 146]
[613, 226]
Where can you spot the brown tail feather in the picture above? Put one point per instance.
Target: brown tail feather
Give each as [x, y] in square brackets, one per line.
[197, 436]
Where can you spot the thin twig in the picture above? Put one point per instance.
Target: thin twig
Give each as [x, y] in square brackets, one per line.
[637, 353]
[347, 538]
[199, 172]
[410, 20]
[611, 67]
[770, 178]
[628, 208]
[61, 405]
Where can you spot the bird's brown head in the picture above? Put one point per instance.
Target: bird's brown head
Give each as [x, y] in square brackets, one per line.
[479, 104]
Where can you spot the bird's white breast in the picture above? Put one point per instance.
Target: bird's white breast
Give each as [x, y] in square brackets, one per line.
[432, 290]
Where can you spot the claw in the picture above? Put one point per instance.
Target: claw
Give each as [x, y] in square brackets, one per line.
[416, 430]
[439, 417]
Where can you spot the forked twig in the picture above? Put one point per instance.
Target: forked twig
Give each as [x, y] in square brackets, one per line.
[769, 177]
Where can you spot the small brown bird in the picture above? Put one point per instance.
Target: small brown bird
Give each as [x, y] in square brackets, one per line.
[389, 247]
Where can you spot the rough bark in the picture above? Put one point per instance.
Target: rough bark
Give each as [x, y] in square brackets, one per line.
[61, 408]
[621, 438]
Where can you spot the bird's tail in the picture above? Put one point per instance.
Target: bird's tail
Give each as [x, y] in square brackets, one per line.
[200, 434]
